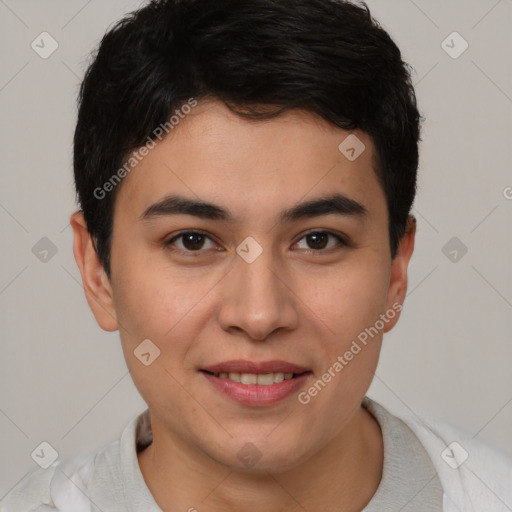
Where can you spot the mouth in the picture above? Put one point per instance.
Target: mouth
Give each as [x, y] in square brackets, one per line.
[256, 384]
[259, 379]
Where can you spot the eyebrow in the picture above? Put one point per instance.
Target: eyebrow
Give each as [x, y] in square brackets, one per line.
[337, 204]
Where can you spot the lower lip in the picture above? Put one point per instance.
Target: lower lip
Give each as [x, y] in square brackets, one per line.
[253, 394]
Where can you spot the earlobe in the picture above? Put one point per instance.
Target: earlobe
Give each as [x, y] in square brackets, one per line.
[97, 287]
[398, 278]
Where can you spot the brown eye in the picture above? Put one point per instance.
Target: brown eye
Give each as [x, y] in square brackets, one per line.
[319, 240]
[189, 241]
[193, 241]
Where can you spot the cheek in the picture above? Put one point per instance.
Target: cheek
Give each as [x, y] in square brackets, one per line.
[163, 304]
[354, 299]
[152, 307]
[351, 306]
[350, 352]
[148, 298]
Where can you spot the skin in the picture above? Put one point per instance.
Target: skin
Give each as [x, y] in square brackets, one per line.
[296, 302]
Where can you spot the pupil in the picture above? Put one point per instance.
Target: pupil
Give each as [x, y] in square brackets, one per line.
[317, 239]
[193, 241]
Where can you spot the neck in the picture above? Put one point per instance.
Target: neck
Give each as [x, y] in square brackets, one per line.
[343, 476]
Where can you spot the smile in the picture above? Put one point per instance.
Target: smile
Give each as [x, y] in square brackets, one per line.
[261, 379]
[257, 389]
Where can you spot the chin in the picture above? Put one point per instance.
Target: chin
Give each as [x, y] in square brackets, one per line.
[262, 456]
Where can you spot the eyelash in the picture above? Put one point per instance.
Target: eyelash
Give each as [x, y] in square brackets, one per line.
[168, 243]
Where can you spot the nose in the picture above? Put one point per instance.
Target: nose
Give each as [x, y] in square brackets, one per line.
[258, 299]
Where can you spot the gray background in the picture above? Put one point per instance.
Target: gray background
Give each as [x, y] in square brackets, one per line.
[64, 381]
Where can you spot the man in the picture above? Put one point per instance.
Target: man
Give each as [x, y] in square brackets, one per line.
[245, 172]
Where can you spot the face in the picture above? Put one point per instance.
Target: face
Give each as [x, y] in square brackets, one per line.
[280, 273]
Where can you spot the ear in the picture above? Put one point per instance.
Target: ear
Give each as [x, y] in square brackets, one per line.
[398, 279]
[97, 287]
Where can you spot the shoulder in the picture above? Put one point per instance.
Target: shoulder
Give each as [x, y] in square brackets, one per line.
[31, 492]
[45, 490]
[474, 476]
[72, 483]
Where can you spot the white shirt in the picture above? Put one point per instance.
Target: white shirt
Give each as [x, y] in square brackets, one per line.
[110, 479]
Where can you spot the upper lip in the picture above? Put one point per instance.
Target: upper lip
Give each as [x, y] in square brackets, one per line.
[244, 366]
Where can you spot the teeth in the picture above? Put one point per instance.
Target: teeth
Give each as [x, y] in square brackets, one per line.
[265, 379]
[278, 377]
[262, 379]
[249, 378]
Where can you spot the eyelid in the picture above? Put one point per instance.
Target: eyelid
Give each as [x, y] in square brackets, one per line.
[340, 238]
[176, 236]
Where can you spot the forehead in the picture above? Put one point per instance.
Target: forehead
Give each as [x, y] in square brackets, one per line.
[247, 165]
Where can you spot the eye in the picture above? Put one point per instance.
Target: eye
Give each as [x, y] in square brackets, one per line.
[189, 241]
[319, 240]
